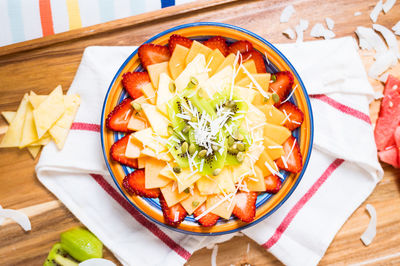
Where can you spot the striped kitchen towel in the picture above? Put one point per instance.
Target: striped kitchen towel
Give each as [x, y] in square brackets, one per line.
[342, 172]
[22, 20]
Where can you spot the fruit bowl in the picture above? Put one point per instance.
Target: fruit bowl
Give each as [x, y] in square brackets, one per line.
[266, 203]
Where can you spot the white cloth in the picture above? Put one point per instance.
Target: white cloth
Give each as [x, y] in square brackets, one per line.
[342, 172]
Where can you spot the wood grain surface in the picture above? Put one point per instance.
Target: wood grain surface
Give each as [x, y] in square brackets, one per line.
[42, 64]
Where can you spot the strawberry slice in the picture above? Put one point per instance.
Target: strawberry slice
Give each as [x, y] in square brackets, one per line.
[207, 220]
[245, 207]
[217, 42]
[118, 119]
[117, 153]
[175, 39]
[258, 60]
[292, 156]
[241, 46]
[294, 115]
[272, 184]
[150, 54]
[282, 85]
[134, 183]
[134, 81]
[173, 215]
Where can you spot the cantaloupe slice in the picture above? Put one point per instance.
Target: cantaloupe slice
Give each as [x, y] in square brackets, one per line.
[164, 93]
[149, 93]
[153, 179]
[193, 201]
[142, 161]
[261, 78]
[171, 194]
[228, 61]
[277, 134]
[273, 149]
[155, 71]
[272, 114]
[224, 209]
[246, 93]
[250, 66]
[214, 60]
[185, 178]
[196, 69]
[196, 49]
[266, 164]
[217, 184]
[255, 183]
[133, 148]
[157, 120]
[177, 62]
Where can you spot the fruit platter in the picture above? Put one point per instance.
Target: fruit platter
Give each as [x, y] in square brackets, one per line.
[206, 128]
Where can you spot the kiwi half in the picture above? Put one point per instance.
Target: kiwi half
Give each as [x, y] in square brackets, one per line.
[236, 105]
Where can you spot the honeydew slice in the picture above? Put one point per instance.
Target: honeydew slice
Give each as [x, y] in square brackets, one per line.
[273, 149]
[164, 94]
[171, 194]
[153, 179]
[12, 138]
[224, 209]
[251, 68]
[49, 111]
[196, 69]
[277, 134]
[246, 93]
[149, 139]
[214, 60]
[193, 201]
[155, 71]
[196, 49]
[177, 62]
[158, 121]
[219, 81]
[133, 148]
[160, 156]
[60, 130]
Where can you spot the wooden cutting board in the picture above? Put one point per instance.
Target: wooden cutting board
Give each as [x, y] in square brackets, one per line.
[44, 63]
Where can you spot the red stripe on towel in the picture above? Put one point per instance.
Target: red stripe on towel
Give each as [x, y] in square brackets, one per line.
[300, 204]
[85, 126]
[343, 108]
[152, 227]
[46, 18]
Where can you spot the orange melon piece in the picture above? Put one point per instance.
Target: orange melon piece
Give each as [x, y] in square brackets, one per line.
[195, 49]
[153, 179]
[278, 134]
[155, 71]
[193, 201]
[272, 114]
[273, 149]
[224, 209]
[250, 67]
[256, 183]
[261, 164]
[171, 194]
[228, 61]
[177, 62]
[133, 148]
[261, 78]
[214, 60]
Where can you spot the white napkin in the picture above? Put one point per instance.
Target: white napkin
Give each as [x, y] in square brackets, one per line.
[342, 172]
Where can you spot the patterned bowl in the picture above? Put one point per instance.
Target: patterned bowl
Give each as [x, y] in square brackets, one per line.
[266, 203]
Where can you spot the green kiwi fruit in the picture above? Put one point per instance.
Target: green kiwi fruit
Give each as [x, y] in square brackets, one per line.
[236, 147]
[58, 256]
[234, 105]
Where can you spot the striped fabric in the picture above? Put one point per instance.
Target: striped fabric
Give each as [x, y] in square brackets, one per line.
[22, 20]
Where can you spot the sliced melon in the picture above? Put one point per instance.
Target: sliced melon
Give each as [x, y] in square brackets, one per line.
[246, 93]
[273, 149]
[216, 184]
[177, 62]
[196, 69]
[164, 93]
[142, 161]
[224, 209]
[214, 60]
[255, 183]
[157, 120]
[196, 49]
[261, 78]
[266, 164]
[228, 61]
[171, 194]
[250, 66]
[155, 71]
[185, 178]
[164, 156]
[149, 92]
[222, 79]
[153, 179]
[133, 148]
[193, 201]
[272, 114]
[149, 139]
[277, 134]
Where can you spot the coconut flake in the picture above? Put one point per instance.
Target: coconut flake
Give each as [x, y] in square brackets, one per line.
[383, 78]
[370, 233]
[97, 262]
[375, 12]
[396, 28]
[300, 28]
[19, 217]
[329, 23]
[382, 63]
[369, 40]
[289, 32]
[287, 13]
[358, 13]
[388, 5]
[319, 31]
[389, 37]
[214, 256]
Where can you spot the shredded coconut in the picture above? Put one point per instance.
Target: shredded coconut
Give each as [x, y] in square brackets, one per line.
[287, 13]
[383, 78]
[396, 28]
[300, 28]
[382, 63]
[370, 233]
[375, 12]
[388, 5]
[358, 13]
[289, 32]
[369, 40]
[329, 23]
[319, 31]
[389, 37]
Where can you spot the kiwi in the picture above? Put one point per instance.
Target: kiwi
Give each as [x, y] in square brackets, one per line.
[235, 147]
[175, 150]
[58, 256]
[234, 105]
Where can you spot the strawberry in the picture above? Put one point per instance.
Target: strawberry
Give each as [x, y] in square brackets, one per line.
[134, 184]
[292, 156]
[175, 39]
[282, 85]
[173, 215]
[117, 153]
[245, 207]
[118, 119]
[150, 54]
[241, 46]
[207, 220]
[258, 60]
[217, 42]
[134, 81]
[272, 184]
[295, 115]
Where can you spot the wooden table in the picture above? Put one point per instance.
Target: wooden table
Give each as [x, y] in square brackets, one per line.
[42, 64]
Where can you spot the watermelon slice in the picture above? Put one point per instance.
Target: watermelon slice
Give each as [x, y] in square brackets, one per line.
[397, 140]
[390, 156]
[389, 114]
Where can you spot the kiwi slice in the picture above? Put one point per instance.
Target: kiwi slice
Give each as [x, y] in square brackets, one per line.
[58, 256]
[236, 105]
[235, 146]
[175, 149]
